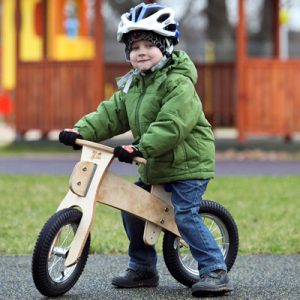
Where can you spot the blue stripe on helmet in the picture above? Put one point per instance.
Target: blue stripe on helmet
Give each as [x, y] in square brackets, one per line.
[132, 11]
[144, 10]
[142, 13]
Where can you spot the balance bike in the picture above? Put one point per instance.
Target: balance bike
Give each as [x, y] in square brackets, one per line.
[62, 247]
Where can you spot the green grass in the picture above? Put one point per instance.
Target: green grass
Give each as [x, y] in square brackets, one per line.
[266, 210]
[34, 147]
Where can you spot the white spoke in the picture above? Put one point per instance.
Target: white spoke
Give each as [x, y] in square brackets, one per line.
[216, 228]
[67, 236]
[220, 234]
[55, 262]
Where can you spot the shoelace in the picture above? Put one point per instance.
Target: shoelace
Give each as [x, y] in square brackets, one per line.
[212, 274]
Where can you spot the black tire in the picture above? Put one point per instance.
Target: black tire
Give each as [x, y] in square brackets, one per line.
[47, 258]
[178, 258]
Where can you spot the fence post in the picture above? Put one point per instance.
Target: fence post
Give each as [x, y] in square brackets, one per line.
[240, 63]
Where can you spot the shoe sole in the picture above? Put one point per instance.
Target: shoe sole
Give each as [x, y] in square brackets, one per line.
[221, 289]
[144, 283]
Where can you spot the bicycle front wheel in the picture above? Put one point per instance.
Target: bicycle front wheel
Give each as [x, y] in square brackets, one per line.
[49, 273]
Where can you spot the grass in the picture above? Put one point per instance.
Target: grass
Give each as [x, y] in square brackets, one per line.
[266, 210]
[34, 147]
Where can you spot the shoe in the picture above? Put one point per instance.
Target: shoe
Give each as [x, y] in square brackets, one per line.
[216, 282]
[132, 279]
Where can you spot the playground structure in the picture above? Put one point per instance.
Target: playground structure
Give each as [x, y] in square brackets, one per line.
[48, 62]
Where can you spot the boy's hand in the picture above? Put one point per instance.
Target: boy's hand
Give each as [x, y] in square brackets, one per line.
[68, 137]
[127, 153]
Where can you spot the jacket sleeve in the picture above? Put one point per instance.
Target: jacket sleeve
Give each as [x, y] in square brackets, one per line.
[108, 120]
[179, 114]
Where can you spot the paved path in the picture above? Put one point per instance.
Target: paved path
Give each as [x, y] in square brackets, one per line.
[63, 165]
[254, 277]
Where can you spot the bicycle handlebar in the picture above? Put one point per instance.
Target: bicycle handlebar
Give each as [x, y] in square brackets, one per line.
[81, 142]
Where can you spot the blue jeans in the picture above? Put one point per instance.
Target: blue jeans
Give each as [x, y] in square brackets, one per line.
[186, 198]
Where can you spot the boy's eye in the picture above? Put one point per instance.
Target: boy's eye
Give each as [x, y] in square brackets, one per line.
[137, 47]
[149, 44]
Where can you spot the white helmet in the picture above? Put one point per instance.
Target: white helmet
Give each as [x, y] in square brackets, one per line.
[152, 17]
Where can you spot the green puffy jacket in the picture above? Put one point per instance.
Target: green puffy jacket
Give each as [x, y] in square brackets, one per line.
[165, 115]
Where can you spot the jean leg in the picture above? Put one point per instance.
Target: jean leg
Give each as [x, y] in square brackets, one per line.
[142, 257]
[186, 199]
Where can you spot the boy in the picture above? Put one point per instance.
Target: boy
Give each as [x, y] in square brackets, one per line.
[158, 103]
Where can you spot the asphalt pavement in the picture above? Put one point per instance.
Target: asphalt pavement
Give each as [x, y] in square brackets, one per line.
[63, 164]
[254, 277]
[236, 164]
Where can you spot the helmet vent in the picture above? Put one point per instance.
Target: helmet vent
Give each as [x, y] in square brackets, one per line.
[162, 18]
[150, 11]
[171, 27]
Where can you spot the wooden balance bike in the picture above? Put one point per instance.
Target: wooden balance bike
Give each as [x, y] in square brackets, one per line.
[62, 247]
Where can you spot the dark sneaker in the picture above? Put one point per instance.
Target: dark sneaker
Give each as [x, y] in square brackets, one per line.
[216, 282]
[132, 279]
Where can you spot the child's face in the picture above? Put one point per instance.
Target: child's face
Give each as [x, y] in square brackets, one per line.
[144, 55]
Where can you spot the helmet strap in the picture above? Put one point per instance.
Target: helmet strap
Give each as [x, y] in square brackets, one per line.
[169, 48]
[161, 63]
[165, 58]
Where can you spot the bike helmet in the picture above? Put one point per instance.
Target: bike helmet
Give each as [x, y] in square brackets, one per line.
[149, 17]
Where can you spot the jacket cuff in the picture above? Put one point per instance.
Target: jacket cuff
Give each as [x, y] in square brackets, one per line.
[142, 150]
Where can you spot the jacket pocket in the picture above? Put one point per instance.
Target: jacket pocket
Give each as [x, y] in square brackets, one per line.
[180, 157]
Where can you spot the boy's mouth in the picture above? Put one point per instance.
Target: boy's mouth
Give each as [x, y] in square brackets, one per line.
[143, 60]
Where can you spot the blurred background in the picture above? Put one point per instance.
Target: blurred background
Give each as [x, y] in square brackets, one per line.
[59, 59]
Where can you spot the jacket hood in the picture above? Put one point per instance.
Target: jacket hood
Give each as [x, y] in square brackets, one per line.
[184, 65]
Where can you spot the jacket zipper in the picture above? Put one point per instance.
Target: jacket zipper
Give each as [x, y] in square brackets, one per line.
[137, 118]
[138, 109]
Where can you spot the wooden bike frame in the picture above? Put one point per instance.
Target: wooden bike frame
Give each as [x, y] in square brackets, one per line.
[91, 182]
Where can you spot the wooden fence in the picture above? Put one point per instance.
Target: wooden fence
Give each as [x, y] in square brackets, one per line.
[53, 95]
[271, 98]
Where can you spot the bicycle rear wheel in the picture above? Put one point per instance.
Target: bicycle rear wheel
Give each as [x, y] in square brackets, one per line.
[178, 258]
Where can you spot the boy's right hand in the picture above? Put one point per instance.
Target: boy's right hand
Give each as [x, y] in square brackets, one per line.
[127, 153]
[68, 137]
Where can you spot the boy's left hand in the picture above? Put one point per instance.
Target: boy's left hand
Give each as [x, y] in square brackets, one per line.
[68, 138]
[127, 153]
